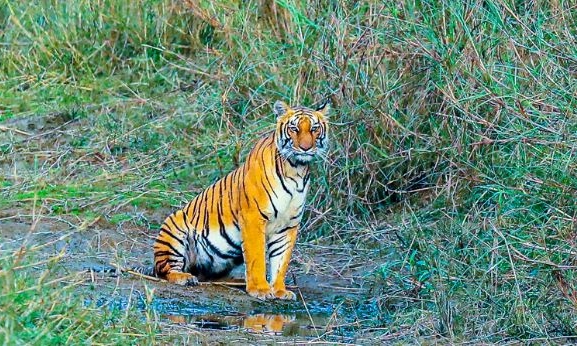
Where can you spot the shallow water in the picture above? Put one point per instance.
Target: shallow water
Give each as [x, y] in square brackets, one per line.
[311, 321]
[299, 324]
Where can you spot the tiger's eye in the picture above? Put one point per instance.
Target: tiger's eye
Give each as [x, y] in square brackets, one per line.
[293, 128]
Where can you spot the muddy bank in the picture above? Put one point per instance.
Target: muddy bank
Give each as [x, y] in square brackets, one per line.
[330, 303]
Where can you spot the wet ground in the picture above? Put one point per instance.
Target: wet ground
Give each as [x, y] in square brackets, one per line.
[322, 311]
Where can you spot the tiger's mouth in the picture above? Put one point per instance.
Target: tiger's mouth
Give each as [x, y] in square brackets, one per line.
[303, 157]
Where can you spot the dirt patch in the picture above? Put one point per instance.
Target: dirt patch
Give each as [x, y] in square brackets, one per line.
[320, 312]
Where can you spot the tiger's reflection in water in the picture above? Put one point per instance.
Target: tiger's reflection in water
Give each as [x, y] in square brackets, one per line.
[276, 324]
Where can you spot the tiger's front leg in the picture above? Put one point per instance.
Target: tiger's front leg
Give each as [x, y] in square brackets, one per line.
[279, 249]
[253, 248]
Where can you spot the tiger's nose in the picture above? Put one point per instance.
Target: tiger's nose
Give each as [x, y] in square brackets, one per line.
[305, 146]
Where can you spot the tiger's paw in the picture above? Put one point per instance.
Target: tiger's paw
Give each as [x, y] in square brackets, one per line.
[261, 293]
[183, 279]
[285, 295]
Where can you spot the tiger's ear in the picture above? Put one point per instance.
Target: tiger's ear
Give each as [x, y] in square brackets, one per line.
[280, 108]
[325, 107]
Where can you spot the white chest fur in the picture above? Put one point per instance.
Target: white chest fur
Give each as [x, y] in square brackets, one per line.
[289, 205]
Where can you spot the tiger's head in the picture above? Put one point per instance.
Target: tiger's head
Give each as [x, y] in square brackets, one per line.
[301, 133]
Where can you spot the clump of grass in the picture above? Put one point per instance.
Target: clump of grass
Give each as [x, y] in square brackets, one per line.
[453, 134]
[40, 306]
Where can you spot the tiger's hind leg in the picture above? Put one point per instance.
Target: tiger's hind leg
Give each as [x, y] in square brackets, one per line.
[172, 253]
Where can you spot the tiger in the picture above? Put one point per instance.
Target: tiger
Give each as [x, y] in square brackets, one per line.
[251, 215]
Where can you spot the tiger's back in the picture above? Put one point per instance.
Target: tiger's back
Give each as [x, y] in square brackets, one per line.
[249, 216]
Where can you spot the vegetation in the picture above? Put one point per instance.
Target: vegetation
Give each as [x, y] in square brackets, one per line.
[454, 138]
[39, 308]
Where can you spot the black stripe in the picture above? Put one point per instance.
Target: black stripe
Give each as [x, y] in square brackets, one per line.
[212, 189]
[296, 183]
[269, 183]
[224, 234]
[195, 242]
[171, 217]
[278, 251]
[159, 266]
[229, 187]
[260, 211]
[163, 253]
[220, 189]
[168, 262]
[206, 226]
[169, 245]
[285, 229]
[243, 189]
[260, 151]
[284, 135]
[293, 165]
[211, 257]
[306, 179]
[187, 208]
[172, 236]
[261, 160]
[276, 241]
[281, 178]
[198, 209]
[185, 217]
[303, 188]
[185, 260]
[217, 251]
[205, 197]
[194, 215]
[271, 201]
[253, 153]
[165, 227]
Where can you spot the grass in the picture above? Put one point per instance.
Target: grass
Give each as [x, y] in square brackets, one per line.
[453, 135]
[41, 308]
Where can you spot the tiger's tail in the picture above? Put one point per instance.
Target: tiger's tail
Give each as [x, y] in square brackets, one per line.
[147, 271]
[116, 269]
